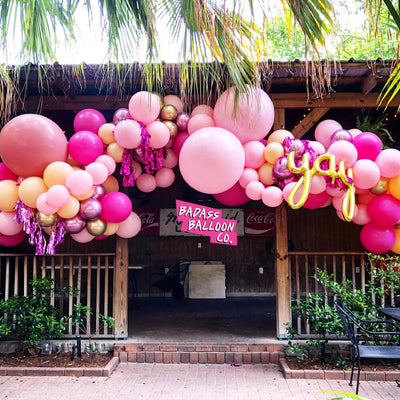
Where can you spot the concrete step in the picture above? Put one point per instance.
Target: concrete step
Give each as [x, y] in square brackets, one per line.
[186, 353]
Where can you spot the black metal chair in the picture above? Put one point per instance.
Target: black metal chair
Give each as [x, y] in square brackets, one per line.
[172, 281]
[368, 331]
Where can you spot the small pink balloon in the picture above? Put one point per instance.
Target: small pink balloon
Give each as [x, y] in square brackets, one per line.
[130, 227]
[8, 225]
[272, 196]
[388, 161]
[57, 196]
[43, 206]
[6, 173]
[159, 134]
[324, 131]
[178, 141]
[165, 177]
[144, 107]
[254, 154]
[98, 171]
[248, 175]
[203, 109]
[83, 236]
[362, 217]
[344, 151]
[79, 182]
[287, 190]
[170, 160]
[137, 169]
[377, 239]
[235, 196]
[366, 174]
[146, 183]
[116, 207]
[384, 210]
[318, 184]
[128, 134]
[108, 162]
[254, 190]
[337, 202]
[368, 145]
[13, 240]
[339, 213]
[199, 121]
[317, 147]
[334, 191]
[89, 119]
[85, 146]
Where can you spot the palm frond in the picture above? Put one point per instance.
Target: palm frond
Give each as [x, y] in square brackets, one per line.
[391, 88]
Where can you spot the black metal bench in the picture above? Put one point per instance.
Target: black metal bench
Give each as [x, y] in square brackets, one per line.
[368, 331]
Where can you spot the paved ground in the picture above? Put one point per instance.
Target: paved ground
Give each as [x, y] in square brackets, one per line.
[186, 382]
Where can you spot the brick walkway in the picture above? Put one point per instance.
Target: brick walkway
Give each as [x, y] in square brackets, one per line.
[186, 382]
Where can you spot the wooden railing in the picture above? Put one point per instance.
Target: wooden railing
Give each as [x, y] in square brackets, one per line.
[90, 274]
[342, 265]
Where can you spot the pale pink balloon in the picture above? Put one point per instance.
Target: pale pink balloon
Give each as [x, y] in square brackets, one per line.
[128, 134]
[272, 196]
[8, 226]
[137, 169]
[165, 177]
[334, 191]
[254, 190]
[159, 134]
[324, 130]
[337, 202]
[366, 174]
[362, 217]
[199, 121]
[339, 213]
[287, 190]
[344, 151]
[211, 160]
[98, 171]
[318, 184]
[174, 101]
[57, 196]
[388, 161]
[170, 160]
[79, 182]
[43, 206]
[83, 236]
[254, 154]
[108, 161]
[203, 109]
[318, 147]
[144, 107]
[248, 175]
[253, 117]
[146, 183]
[129, 227]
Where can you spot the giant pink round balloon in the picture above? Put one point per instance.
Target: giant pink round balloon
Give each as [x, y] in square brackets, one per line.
[253, 117]
[211, 160]
[30, 142]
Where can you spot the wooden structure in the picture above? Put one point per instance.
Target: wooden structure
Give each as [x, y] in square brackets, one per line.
[356, 86]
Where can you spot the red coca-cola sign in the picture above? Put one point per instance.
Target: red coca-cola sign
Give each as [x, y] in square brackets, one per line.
[259, 222]
[150, 218]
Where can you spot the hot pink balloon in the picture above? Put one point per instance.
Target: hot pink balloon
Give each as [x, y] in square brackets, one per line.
[324, 131]
[362, 217]
[366, 174]
[248, 175]
[159, 134]
[253, 117]
[368, 145]
[130, 227]
[79, 182]
[8, 225]
[144, 107]
[178, 141]
[57, 196]
[344, 151]
[272, 196]
[6, 173]
[43, 206]
[388, 161]
[128, 134]
[316, 200]
[235, 196]
[146, 183]
[98, 171]
[89, 119]
[85, 146]
[116, 207]
[13, 240]
[377, 239]
[108, 162]
[211, 160]
[30, 142]
[254, 154]
[254, 190]
[199, 121]
[384, 210]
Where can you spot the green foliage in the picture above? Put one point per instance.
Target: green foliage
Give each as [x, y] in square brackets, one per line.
[346, 395]
[366, 123]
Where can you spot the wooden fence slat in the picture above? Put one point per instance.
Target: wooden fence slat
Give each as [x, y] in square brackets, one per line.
[26, 275]
[7, 280]
[98, 271]
[16, 275]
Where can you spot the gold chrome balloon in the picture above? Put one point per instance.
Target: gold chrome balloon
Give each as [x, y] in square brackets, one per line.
[45, 220]
[169, 112]
[381, 187]
[96, 227]
[172, 127]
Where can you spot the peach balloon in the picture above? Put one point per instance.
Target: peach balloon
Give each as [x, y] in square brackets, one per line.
[30, 189]
[106, 133]
[273, 151]
[175, 101]
[165, 177]
[265, 173]
[279, 136]
[254, 154]
[111, 184]
[86, 195]
[146, 183]
[111, 228]
[199, 121]
[9, 195]
[170, 160]
[56, 173]
[248, 175]
[70, 209]
[115, 151]
[394, 186]
[203, 109]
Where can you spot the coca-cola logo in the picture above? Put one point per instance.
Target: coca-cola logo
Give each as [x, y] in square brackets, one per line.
[257, 218]
[147, 218]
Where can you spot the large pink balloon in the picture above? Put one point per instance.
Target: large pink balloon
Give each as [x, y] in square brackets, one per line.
[85, 147]
[253, 117]
[366, 174]
[144, 107]
[211, 160]
[388, 161]
[368, 145]
[30, 142]
[344, 151]
[12, 240]
[89, 119]
[384, 210]
[377, 239]
[116, 207]
[235, 196]
[130, 227]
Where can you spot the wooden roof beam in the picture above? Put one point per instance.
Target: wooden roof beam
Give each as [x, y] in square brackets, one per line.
[308, 122]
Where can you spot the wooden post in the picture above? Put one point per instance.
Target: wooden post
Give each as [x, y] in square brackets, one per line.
[283, 314]
[121, 289]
